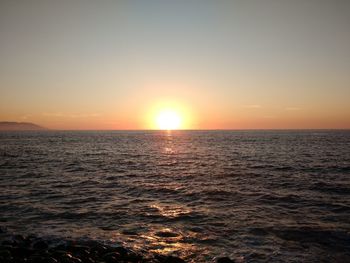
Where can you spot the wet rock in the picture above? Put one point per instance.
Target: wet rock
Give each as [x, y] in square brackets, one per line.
[122, 251]
[170, 259]
[9, 259]
[224, 260]
[84, 254]
[22, 251]
[111, 257]
[79, 251]
[57, 253]
[19, 238]
[41, 245]
[88, 260]
[37, 259]
[8, 243]
[20, 260]
[77, 248]
[27, 242]
[51, 260]
[99, 249]
[5, 253]
[76, 260]
[61, 247]
[133, 257]
[69, 258]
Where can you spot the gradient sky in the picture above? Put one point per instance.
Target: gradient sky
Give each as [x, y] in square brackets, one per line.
[223, 64]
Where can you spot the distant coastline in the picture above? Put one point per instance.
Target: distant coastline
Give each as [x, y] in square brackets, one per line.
[20, 126]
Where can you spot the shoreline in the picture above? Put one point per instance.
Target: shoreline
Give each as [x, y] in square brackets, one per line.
[34, 249]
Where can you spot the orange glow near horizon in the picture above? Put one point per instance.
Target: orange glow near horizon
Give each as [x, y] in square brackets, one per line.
[168, 115]
[168, 120]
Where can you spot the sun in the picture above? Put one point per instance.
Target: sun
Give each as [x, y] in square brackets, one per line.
[168, 120]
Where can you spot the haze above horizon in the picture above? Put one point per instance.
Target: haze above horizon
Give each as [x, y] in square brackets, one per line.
[176, 64]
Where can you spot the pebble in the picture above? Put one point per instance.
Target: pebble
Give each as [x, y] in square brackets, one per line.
[4, 253]
[224, 260]
[111, 257]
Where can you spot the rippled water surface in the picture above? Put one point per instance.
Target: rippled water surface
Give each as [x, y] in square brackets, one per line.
[257, 196]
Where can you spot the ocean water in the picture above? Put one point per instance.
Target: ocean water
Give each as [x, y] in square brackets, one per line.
[256, 196]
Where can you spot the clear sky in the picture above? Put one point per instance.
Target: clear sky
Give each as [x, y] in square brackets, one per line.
[218, 64]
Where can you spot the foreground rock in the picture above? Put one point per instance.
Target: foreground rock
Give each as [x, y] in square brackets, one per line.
[31, 249]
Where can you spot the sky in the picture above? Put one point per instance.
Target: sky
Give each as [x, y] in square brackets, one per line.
[271, 64]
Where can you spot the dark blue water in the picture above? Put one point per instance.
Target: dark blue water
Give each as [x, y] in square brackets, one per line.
[256, 196]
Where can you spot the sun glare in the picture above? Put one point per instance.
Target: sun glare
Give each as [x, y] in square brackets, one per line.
[168, 120]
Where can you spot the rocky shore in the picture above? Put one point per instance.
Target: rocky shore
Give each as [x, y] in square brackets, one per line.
[33, 249]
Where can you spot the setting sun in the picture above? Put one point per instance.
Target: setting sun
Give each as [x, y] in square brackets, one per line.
[168, 120]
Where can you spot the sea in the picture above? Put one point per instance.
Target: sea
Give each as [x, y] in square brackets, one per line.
[253, 196]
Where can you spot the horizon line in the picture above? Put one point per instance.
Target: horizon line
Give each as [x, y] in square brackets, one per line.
[179, 130]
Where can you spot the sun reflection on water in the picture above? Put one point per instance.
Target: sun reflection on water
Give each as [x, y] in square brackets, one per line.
[169, 150]
[171, 211]
[164, 241]
[167, 241]
[166, 238]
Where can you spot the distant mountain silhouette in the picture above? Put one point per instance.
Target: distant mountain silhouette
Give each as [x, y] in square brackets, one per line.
[19, 126]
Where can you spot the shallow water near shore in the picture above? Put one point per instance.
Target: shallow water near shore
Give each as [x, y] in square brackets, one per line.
[255, 196]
